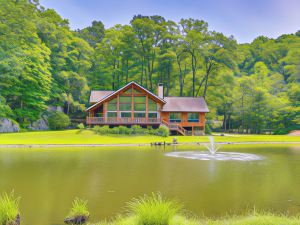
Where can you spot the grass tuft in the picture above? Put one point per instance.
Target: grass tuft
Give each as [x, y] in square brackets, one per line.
[79, 208]
[153, 210]
[9, 208]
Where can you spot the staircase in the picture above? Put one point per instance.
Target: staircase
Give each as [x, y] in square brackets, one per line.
[175, 127]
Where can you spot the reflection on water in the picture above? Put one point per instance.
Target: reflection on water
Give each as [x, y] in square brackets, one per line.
[48, 180]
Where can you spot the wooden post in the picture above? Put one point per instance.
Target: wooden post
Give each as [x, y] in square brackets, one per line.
[105, 111]
[147, 108]
[118, 108]
[132, 104]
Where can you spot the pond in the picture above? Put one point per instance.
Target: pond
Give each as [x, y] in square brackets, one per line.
[48, 180]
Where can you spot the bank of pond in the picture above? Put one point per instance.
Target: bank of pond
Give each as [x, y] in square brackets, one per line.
[147, 210]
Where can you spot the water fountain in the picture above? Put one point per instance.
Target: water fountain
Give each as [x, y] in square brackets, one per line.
[213, 154]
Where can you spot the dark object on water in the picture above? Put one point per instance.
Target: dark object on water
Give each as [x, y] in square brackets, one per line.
[158, 143]
[76, 220]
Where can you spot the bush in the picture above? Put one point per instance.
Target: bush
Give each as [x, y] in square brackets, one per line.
[124, 130]
[80, 126]
[79, 208]
[9, 209]
[207, 129]
[285, 130]
[58, 120]
[102, 130]
[163, 131]
[134, 130]
[153, 210]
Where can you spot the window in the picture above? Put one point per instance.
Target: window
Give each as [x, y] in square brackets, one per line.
[136, 91]
[126, 114]
[193, 117]
[139, 115]
[111, 114]
[100, 114]
[112, 105]
[140, 103]
[129, 91]
[125, 107]
[175, 117]
[152, 115]
[152, 106]
[125, 103]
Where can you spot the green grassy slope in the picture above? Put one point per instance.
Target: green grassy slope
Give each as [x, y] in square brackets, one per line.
[88, 137]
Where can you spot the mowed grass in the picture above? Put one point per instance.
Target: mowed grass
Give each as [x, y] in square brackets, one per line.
[89, 137]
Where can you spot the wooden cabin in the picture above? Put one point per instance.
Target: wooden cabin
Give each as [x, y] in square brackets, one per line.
[135, 105]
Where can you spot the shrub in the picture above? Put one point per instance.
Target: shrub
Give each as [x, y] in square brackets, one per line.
[153, 210]
[58, 120]
[163, 131]
[9, 209]
[102, 130]
[79, 208]
[135, 130]
[207, 129]
[80, 126]
[114, 130]
[285, 130]
[124, 130]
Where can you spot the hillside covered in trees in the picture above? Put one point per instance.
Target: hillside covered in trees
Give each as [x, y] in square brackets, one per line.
[249, 87]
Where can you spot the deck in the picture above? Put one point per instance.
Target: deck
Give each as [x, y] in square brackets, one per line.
[122, 121]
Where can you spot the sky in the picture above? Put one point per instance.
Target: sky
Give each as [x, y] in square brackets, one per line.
[244, 19]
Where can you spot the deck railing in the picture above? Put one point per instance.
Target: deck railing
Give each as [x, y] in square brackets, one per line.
[114, 120]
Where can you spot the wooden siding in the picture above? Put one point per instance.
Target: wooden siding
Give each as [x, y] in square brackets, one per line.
[184, 119]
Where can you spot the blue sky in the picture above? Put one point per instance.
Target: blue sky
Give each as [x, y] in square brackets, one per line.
[244, 19]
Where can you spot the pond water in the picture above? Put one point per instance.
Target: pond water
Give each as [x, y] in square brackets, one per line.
[48, 179]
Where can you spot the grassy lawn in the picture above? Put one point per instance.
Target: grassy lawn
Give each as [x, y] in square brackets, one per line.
[88, 137]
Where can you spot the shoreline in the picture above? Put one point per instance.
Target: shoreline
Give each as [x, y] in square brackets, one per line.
[138, 144]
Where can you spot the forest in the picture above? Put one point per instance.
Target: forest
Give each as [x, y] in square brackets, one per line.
[249, 88]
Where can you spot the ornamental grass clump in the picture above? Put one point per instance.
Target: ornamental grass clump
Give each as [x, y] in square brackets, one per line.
[79, 213]
[153, 210]
[9, 210]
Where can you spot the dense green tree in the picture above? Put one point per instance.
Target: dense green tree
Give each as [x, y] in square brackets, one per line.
[250, 88]
[93, 34]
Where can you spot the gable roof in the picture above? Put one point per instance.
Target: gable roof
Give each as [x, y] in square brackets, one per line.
[96, 96]
[122, 88]
[185, 104]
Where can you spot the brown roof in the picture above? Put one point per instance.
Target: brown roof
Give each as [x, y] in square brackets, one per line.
[185, 104]
[114, 92]
[96, 96]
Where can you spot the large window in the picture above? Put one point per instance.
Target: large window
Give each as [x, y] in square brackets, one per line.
[152, 106]
[175, 117]
[193, 117]
[139, 115]
[125, 103]
[140, 103]
[111, 114]
[152, 115]
[129, 91]
[126, 114]
[112, 105]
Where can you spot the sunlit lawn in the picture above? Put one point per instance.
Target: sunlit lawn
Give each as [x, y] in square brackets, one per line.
[89, 137]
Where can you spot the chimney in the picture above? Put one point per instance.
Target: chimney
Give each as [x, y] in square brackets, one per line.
[160, 90]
